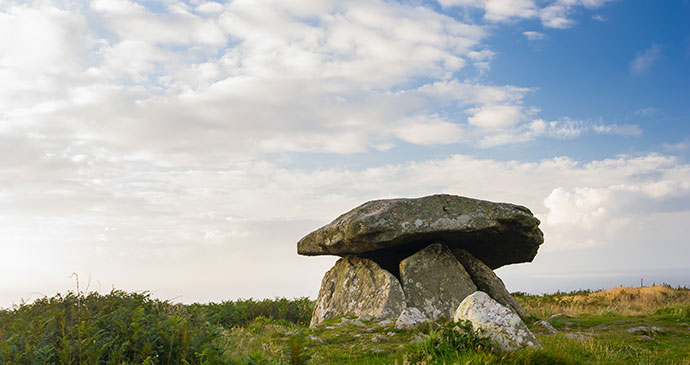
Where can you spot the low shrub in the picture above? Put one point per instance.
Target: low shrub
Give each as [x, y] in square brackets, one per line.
[447, 341]
[122, 327]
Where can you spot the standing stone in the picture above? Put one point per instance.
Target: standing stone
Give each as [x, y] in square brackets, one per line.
[487, 281]
[357, 286]
[434, 281]
[498, 323]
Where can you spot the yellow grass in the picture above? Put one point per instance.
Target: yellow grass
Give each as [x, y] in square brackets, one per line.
[620, 300]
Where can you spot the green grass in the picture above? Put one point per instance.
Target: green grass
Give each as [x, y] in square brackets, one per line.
[133, 328]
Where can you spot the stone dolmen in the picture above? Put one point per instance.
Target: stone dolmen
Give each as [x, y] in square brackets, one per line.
[412, 260]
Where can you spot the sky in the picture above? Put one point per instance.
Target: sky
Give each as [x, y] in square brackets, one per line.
[184, 147]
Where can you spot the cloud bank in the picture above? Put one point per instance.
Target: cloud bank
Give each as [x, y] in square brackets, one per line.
[186, 231]
[241, 79]
[138, 143]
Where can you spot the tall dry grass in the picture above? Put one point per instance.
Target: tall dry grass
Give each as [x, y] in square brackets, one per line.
[621, 300]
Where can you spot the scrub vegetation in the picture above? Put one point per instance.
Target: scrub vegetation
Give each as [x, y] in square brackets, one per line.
[649, 325]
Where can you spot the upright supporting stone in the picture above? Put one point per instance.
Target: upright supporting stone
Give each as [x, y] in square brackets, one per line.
[487, 281]
[357, 286]
[434, 281]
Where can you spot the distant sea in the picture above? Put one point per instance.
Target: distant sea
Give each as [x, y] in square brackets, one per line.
[564, 282]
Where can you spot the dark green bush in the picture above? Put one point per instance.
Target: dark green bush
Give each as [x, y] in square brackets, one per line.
[122, 327]
[229, 314]
[449, 340]
[101, 329]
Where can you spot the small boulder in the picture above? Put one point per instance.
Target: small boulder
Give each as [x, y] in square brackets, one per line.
[359, 287]
[544, 327]
[496, 322]
[487, 281]
[645, 329]
[576, 336]
[379, 338]
[435, 282]
[385, 322]
[418, 339]
[409, 318]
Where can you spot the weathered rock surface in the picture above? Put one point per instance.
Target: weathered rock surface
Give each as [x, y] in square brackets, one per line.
[435, 282]
[387, 231]
[646, 329]
[501, 325]
[487, 281]
[358, 286]
[409, 318]
[544, 327]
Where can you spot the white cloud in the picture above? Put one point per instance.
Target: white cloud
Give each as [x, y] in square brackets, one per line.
[557, 14]
[101, 211]
[677, 147]
[533, 35]
[599, 18]
[495, 116]
[429, 130]
[646, 112]
[622, 130]
[498, 10]
[136, 139]
[40, 53]
[644, 60]
[553, 14]
[564, 129]
[251, 78]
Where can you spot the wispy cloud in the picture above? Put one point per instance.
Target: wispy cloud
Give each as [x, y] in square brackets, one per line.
[534, 35]
[563, 129]
[677, 147]
[599, 18]
[555, 14]
[645, 59]
[645, 112]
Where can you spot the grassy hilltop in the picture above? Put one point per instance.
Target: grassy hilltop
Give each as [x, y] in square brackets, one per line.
[649, 325]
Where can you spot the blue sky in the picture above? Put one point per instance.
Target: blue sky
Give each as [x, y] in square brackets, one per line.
[185, 147]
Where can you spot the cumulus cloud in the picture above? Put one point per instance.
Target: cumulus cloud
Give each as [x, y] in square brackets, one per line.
[493, 116]
[645, 59]
[248, 79]
[427, 131]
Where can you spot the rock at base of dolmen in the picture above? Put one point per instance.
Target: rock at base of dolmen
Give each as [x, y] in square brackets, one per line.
[487, 281]
[410, 318]
[496, 322]
[389, 230]
[359, 287]
[435, 282]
